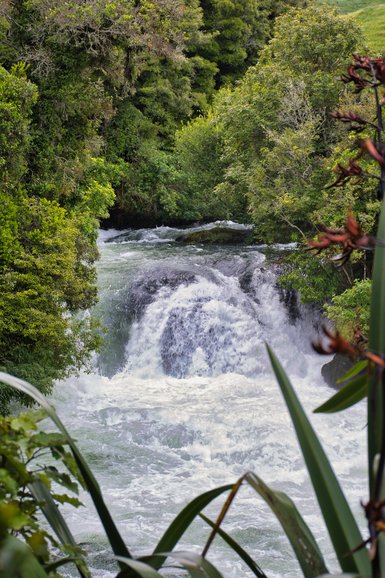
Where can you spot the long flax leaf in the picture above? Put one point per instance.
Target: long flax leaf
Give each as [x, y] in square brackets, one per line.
[301, 539]
[140, 568]
[357, 368]
[18, 561]
[350, 394]
[338, 517]
[195, 564]
[377, 346]
[55, 519]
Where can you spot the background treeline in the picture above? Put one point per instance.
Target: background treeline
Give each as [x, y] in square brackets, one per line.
[159, 111]
[264, 151]
[91, 94]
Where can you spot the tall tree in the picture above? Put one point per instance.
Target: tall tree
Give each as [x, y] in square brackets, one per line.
[237, 30]
[82, 59]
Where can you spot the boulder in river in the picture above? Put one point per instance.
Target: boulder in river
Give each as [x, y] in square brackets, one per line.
[216, 235]
[335, 369]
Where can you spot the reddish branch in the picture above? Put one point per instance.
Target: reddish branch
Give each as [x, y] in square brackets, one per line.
[373, 69]
[349, 238]
[338, 344]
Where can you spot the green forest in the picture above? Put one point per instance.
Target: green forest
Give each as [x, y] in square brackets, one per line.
[92, 95]
[151, 114]
[140, 113]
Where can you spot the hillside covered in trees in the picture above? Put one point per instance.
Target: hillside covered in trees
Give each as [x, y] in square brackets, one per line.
[160, 112]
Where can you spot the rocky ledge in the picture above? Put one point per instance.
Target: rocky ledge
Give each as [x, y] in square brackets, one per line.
[216, 235]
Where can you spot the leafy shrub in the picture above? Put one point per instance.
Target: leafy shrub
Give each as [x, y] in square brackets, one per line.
[27, 487]
[350, 310]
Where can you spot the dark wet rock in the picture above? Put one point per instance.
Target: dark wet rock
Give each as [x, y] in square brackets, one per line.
[290, 299]
[128, 306]
[335, 369]
[182, 333]
[245, 281]
[123, 237]
[143, 291]
[216, 235]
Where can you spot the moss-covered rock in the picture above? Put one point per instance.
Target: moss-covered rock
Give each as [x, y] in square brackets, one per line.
[216, 235]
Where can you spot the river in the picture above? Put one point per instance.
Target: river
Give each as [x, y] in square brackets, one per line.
[182, 399]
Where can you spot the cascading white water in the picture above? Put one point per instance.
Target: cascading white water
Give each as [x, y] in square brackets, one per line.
[184, 400]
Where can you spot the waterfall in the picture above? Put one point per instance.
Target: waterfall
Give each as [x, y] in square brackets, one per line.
[183, 399]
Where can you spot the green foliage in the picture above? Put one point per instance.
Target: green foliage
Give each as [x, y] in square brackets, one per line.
[46, 250]
[221, 40]
[165, 96]
[140, 166]
[359, 195]
[287, 171]
[44, 281]
[22, 447]
[350, 310]
[329, 38]
[237, 31]
[315, 279]
[104, 70]
[198, 160]
[269, 136]
[45, 275]
[17, 96]
[289, 167]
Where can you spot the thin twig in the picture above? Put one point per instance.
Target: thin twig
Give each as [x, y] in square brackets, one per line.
[222, 514]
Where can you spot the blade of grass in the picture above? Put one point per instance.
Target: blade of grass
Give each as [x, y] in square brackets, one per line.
[354, 371]
[350, 394]
[55, 519]
[377, 346]
[247, 559]
[118, 546]
[341, 525]
[301, 539]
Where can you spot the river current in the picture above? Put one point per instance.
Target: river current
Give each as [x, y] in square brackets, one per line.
[182, 399]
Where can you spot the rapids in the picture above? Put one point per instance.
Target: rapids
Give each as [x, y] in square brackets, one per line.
[182, 399]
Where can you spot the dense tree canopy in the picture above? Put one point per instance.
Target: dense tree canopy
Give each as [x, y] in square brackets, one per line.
[102, 101]
[46, 253]
[91, 95]
[272, 132]
[265, 150]
[68, 70]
